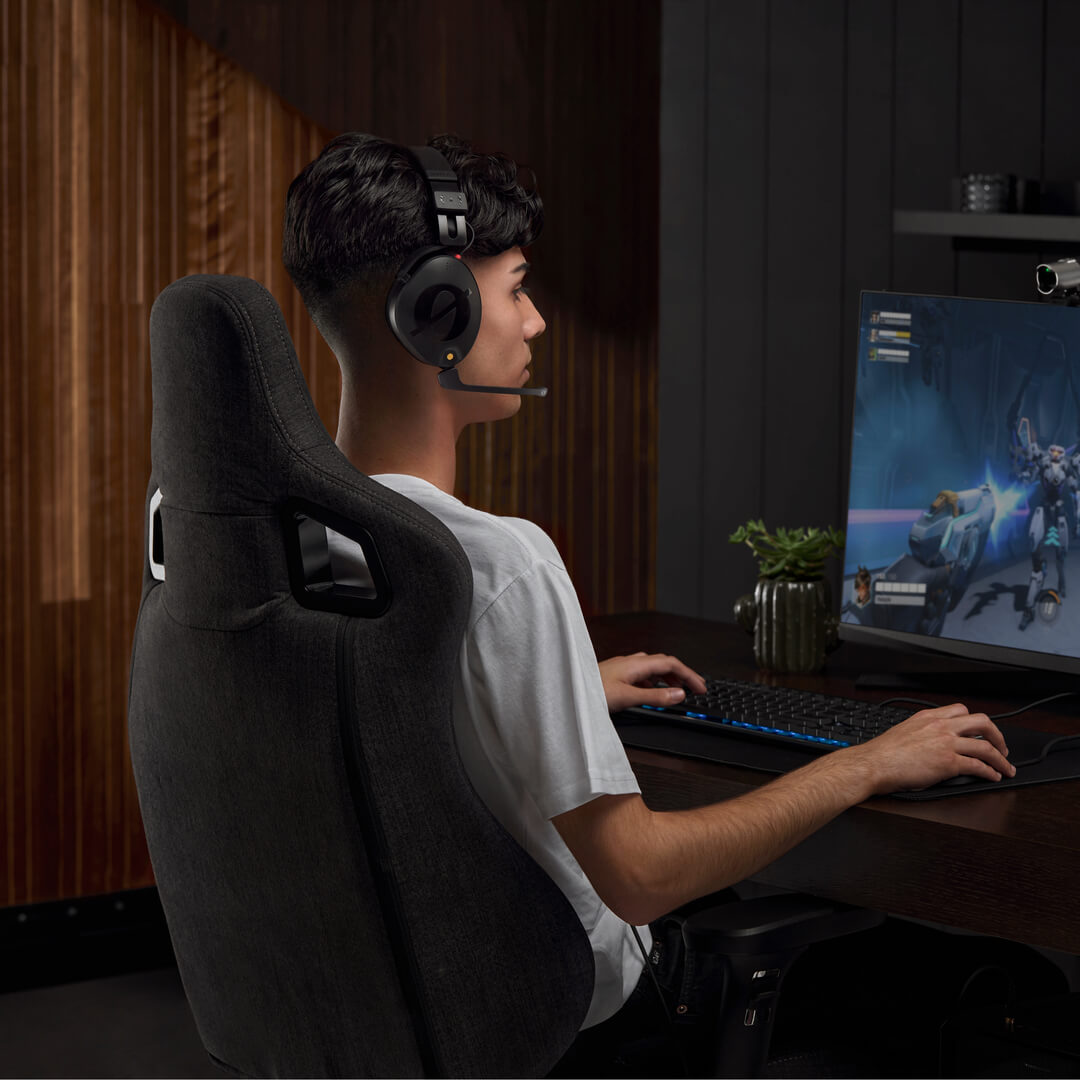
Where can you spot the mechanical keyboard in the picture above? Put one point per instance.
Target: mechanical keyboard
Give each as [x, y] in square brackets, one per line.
[794, 718]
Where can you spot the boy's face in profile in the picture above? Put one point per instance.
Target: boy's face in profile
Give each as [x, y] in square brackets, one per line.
[502, 351]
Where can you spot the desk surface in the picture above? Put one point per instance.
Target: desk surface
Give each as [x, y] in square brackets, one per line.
[1003, 863]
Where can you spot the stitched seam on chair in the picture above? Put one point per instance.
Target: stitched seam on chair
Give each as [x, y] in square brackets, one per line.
[270, 607]
[226, 1066]
[387, 888]
[221, 513]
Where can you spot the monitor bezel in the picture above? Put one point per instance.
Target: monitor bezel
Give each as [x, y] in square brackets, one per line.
[1004, 655]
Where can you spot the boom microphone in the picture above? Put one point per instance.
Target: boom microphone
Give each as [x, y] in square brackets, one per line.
[451, 380]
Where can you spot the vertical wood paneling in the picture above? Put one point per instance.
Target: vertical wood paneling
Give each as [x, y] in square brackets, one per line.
[59, 154]
[8, 443]
[131, 154]
[569, 90]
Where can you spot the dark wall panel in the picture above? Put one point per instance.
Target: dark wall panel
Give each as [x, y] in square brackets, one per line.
[868, 184]
[683, 265]
[1061, 91]
[804, 252]
[821, 120]
[925, 151]
[735, 281]
[1000, 87]
[1000, 126]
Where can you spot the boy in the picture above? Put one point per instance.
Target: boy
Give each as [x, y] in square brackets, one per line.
[531, 702]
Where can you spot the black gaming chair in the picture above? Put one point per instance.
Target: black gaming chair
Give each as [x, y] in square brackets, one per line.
[340, 901]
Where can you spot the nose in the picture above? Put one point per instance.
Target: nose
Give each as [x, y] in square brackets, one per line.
[534, 324]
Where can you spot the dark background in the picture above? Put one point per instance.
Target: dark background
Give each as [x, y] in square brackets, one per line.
[720, 180]
[789, 134]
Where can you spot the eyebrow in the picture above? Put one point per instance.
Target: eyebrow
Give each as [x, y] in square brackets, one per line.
[524, 266]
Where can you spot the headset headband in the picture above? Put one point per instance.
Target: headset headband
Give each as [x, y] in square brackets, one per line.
[450, 203]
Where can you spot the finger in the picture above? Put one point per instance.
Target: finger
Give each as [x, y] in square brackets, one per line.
[984, 751]
[974, 767]
[979, 724]
[668, 667]
[690, 677]
[944, 712]
[649, 666]
[660, 696]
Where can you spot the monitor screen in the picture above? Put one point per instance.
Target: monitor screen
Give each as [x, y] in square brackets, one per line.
[963, 533]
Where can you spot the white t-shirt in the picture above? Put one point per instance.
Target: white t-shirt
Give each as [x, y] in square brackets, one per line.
[530, 716]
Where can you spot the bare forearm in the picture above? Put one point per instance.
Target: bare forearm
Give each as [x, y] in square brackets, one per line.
[643, 863]
[687, 854]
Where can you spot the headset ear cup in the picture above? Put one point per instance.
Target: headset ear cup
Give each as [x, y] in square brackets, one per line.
[433, 308]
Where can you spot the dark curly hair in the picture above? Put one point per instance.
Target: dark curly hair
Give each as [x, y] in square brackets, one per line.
[356, 211]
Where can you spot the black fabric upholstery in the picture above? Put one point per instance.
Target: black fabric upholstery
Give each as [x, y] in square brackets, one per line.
[340, 900]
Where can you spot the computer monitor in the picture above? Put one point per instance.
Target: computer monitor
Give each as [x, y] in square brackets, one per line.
[963, 532]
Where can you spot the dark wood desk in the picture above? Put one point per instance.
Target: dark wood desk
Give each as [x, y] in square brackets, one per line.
[1003, 863]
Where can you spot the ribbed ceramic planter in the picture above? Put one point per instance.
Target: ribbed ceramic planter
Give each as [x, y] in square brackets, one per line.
[790, 621]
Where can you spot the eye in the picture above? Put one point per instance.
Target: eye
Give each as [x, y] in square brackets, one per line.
[518, 291]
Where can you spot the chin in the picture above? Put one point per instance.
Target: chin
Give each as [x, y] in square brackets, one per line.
[507, 404]
[485, 408]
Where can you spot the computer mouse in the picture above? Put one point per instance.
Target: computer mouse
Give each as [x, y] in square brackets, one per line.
[957, 781]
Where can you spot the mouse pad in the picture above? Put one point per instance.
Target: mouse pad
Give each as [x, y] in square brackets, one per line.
[670, 737]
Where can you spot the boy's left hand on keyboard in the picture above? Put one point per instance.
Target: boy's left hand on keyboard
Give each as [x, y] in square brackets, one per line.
[632, 680]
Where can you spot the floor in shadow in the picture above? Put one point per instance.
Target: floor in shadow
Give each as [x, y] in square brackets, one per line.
[134, 1025]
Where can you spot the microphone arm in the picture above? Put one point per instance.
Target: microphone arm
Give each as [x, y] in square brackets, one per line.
[451, 380]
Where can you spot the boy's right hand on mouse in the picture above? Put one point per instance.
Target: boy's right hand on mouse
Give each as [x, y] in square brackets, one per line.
[931, 746]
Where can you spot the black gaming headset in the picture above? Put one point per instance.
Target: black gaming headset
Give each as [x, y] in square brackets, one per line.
[433, 307]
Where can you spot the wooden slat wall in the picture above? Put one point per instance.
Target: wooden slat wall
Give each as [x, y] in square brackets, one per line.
[131, 155]
[570, 89]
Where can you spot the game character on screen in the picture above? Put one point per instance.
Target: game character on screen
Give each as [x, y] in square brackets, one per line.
[1052, 513]
[862, 587]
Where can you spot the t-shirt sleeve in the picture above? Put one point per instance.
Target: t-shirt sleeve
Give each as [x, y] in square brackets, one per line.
[533, 670]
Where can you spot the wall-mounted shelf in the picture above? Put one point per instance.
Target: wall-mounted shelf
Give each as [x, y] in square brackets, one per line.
[1037, 227]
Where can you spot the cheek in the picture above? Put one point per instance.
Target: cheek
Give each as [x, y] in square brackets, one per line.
[499, 324]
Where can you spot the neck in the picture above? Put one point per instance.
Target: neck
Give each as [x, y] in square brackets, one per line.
[398, 433]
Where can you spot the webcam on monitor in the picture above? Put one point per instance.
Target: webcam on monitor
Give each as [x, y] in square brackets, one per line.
[1059, 280]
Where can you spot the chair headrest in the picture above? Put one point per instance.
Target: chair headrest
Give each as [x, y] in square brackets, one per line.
[226, 401]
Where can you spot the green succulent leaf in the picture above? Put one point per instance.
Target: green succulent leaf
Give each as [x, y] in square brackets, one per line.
[794, 554]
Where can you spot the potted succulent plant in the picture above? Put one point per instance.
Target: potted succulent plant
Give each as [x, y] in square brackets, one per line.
[790, 612]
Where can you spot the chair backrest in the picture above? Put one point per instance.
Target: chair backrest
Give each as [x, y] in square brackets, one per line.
[340, 900]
